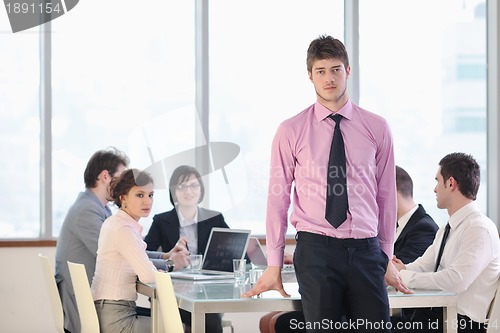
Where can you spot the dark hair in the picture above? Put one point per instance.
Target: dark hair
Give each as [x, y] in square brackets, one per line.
[129, 178]
[180, 175]
[465, 170]
[404, 183]
[326, 47]
[108, 159]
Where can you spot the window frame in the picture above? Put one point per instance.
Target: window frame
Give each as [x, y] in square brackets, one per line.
[202, 102]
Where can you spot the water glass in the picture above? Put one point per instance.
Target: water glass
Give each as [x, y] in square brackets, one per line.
[195, 261]
[239, 266]
[255, 275]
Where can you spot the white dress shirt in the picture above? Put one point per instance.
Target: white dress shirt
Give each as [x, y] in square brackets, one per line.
[189, 230]
[403, 221]
[121, 258]
[470, 265]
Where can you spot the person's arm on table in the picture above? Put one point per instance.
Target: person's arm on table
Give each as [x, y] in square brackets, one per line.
[180, 247]
[179, 254]
[398, 263]
[393, 278]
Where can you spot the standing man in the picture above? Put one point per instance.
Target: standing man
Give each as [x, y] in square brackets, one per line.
[465, 256]
[415, 233]
[415, 230]
[339, 157]
[79, 234]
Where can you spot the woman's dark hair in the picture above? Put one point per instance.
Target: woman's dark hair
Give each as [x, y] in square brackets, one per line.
[129, 178]
[180, 175]
[108, 159]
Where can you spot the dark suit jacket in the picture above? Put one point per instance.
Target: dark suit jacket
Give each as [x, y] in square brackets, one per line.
[164, 230]
[416, 236]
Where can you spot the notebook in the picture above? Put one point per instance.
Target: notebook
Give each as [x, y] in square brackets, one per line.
[223, 246]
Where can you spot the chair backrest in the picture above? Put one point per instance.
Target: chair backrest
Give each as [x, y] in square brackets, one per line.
[494, 313]
[55, 300]
[84, 301]
[169, 309]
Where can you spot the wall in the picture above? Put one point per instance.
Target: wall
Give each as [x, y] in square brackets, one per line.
[24, 305]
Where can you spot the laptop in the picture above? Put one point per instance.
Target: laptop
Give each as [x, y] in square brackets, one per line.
[223, 246]
[256, 253]
[258, 256]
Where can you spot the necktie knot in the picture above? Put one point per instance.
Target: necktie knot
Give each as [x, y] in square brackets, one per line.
[336, 118]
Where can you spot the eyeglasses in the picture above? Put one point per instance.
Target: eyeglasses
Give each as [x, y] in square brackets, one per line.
[184, 187]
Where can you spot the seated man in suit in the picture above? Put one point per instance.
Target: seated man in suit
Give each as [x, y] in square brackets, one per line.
[415, 232]
[415, 229]
[465, 256]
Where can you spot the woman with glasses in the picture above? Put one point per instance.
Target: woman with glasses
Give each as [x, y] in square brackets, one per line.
[186, 223]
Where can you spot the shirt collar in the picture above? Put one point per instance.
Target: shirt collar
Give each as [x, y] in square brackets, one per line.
[182, 221]
[403, 220]
[129, 220]
[462, 213]
[321, 112]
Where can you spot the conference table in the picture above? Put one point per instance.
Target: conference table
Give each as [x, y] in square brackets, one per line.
[221, 296]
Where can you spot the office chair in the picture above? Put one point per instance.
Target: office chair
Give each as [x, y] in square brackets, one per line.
[84, 301]
[169, 309]
[55, 300]
[267, 322]
[494, 313]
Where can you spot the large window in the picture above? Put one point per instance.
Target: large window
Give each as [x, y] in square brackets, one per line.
[128, 78]
[125, 80]
[258, 78]
[20, 132]
[424, 70]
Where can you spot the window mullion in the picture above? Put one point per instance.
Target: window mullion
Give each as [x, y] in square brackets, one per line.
[45, 131]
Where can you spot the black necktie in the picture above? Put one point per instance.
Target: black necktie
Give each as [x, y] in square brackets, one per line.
[336, 190]
[441, 248]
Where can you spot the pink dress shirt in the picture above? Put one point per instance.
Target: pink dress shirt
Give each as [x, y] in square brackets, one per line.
[121, 258]
[300, 153]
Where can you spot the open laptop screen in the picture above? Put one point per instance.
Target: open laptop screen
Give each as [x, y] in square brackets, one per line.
[224, 245]
[255, 252]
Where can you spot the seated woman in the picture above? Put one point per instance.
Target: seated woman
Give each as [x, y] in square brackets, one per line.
[121, 256]
[187, 223]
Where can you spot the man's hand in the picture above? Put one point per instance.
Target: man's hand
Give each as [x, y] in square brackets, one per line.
[392, 278]
[398, 264]
[270, 280]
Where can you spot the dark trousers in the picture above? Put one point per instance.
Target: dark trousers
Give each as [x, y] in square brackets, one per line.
[339, 277]
[430, 320]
